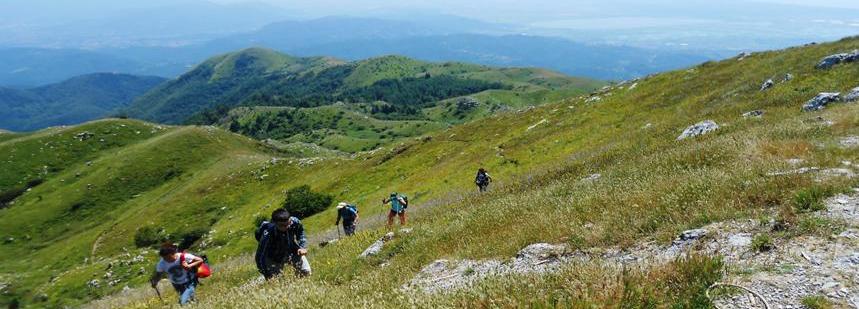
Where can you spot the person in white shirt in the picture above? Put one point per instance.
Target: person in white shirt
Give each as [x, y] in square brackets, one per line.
[179, 268]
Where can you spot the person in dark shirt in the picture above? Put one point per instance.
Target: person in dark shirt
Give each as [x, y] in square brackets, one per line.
[281, 241]
[349, 214]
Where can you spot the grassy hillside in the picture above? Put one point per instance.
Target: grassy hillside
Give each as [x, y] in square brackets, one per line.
[337, 127]
[262, 77]
[72, 101]
[651, 187]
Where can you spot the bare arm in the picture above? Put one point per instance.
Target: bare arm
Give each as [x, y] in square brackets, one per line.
[191, 263]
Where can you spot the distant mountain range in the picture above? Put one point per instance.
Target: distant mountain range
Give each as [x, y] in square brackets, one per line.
[446, 39]
[73, 101]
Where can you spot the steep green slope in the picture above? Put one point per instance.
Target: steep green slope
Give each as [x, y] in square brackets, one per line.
[90, 192]
[262, 77]
[72, 101]
[651, 186]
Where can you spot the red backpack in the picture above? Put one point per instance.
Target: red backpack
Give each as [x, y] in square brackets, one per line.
[202, 271]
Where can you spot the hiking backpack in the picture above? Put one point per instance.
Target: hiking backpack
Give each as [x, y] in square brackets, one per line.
[353, 212]
[481, 179]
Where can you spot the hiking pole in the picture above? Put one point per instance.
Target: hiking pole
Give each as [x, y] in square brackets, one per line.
[157, 292]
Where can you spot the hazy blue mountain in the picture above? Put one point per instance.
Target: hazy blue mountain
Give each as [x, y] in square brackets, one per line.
[572, 58]
[30, 67]
[73, 101]
[359, 38]
[95, 24]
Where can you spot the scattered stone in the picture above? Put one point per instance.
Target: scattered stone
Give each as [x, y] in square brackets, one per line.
[821, 100]
[832, 60]
[700, 128]
[446, 276]
[647, 126]
[837, 172]
[754, 113]
[593, 99]
[740, 240]
[84, 136]
[742, 56]
[377, 246]
[767, 84]
[327, 242]
[849, 142]
[853, 96]
[693, 234]
[592, 177]
[94, 283]
[538, 257]
[795, 161]
[799, 171]
[787, 77]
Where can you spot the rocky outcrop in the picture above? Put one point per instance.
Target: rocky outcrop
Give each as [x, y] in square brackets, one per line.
[377, 246]
[849, 142]
[833, 60]
[700, 128]
[793, 269]
[753, 114]
[767, 85]
[466, 103]
[821, 100]
[853, 96]
[446, 275]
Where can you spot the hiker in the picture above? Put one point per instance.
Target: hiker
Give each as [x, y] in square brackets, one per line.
[180, 269]
[482, 180]
[399, 204]
[281, 241]
[349, 214]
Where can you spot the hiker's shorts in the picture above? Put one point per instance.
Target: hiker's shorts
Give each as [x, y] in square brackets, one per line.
[350, 229]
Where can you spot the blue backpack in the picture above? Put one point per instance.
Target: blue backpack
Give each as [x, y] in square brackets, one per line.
[398, 207]
[353, 212]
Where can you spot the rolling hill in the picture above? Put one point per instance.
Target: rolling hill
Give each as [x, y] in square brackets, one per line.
[597, 173]
[72, 101]
[258, 76]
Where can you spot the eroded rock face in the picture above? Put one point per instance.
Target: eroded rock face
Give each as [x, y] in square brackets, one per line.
[821, 100]
[697, 129]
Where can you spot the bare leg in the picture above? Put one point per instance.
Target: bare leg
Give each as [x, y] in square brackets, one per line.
[403, 218]
[390, 219]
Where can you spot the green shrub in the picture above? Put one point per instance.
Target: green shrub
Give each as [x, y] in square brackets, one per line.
[810, 199]
[303, 202]
[189, 237]
[816, 302]
[149, 236]
[762, 242]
